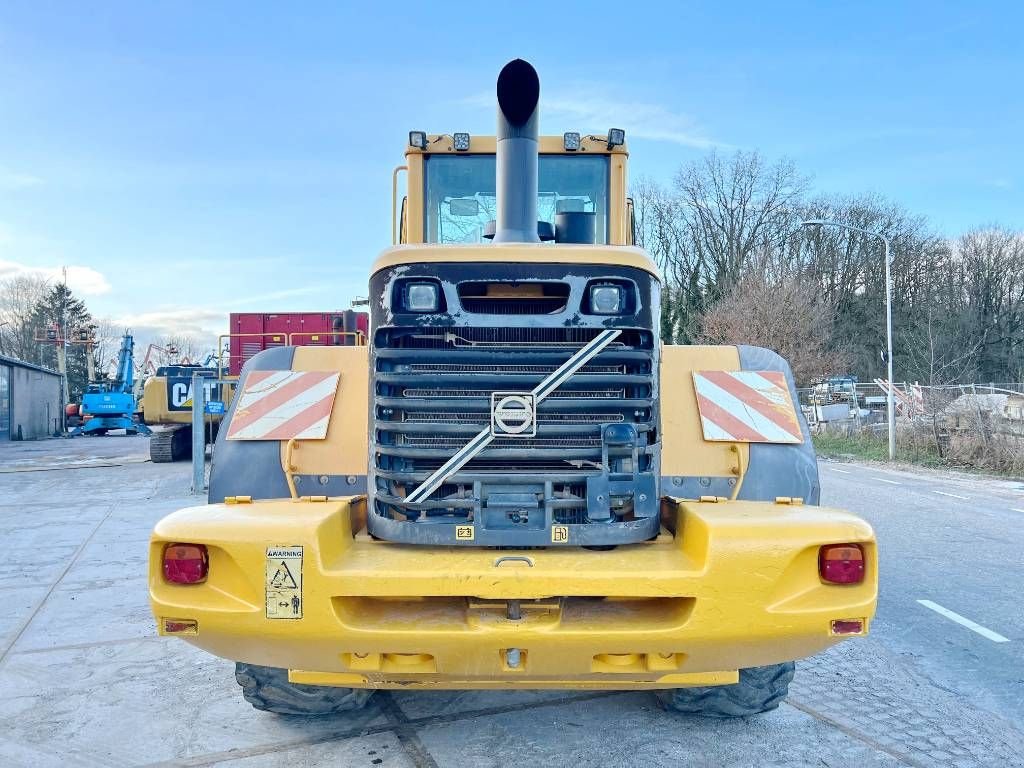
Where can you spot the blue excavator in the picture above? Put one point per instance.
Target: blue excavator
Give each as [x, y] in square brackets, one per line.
[111, 404]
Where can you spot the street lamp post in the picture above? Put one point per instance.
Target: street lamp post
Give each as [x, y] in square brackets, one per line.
[889, 397]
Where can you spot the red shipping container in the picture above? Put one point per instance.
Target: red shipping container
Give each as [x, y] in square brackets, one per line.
[253, 332]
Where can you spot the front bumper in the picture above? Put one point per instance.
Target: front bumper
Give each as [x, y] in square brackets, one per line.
[736, 586]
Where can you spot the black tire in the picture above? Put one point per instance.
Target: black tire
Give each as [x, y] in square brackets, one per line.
[760, 689]
[268, 689]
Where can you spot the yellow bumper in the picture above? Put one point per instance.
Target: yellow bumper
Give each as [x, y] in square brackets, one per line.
[736, 586]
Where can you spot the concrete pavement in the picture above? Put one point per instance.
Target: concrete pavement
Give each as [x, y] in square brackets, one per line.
[85, 682]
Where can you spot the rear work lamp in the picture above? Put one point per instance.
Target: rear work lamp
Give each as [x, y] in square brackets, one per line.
[461, 142]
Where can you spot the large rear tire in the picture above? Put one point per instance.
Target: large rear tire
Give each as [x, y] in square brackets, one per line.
[268, 689]
[760, 689]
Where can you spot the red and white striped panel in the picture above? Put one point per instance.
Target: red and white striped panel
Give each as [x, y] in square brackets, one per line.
[746, 407]
[281, 405]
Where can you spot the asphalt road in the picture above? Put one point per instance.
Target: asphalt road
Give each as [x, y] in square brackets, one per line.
[85, 682]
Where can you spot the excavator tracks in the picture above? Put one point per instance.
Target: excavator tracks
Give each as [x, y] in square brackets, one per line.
[171, 444]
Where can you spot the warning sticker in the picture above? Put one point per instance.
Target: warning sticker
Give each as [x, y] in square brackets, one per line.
[559, 534]
[284, 582]
[464, 532]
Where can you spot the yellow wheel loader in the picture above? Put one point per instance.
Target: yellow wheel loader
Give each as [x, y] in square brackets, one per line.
[515, 484]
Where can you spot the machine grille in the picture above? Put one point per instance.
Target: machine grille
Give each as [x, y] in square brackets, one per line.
[432, 393]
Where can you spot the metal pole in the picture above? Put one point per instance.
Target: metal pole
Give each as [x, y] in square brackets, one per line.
[198, 435]
[62, 367]
[889, 399]
[890, 394]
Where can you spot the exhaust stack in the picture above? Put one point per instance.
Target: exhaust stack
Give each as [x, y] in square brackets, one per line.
[517, 152]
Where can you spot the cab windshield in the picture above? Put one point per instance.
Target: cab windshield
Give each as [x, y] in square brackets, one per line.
[460, 193]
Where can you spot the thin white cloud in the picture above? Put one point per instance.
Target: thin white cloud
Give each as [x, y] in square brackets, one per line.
[641, 120]
[11, 179]
[590, 108]
[83, 280]
[287, 293]
[203, 324]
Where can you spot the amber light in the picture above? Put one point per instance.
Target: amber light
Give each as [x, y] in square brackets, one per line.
[841, 563]
[185, 563]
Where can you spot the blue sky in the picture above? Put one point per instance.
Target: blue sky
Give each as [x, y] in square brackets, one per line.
[185, 160]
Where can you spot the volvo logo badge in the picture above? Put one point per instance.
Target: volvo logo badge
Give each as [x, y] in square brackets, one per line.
[513, 414]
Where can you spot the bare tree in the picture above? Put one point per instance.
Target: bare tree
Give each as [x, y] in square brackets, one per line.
[20, 296]
[720, 215]
[787, 316]
[991, 261]
[187, 350]
[107, 345]
[735, 209]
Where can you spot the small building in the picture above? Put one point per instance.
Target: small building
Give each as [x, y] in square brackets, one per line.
[30, 407]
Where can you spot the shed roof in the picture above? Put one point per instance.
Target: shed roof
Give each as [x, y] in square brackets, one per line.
[15, 362]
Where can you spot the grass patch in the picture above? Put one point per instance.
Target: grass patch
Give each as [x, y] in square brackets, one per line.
[919, 448]
[865, 446]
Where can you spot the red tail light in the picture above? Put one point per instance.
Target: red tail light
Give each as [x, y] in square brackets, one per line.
[185, 563]
[841, 563]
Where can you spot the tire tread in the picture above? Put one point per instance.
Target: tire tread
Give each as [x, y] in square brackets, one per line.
[268, 690]
[760, 689]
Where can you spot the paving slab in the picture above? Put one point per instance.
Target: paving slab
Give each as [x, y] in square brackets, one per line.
[143, 702]
[24, 565]
[417, 705]
[19, 603]
[630, 729]
[382, 750]
[90, 612]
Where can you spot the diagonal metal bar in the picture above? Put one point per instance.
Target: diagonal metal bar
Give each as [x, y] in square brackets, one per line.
[541, 391]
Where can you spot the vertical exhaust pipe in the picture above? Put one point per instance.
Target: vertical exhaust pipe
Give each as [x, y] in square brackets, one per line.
[517, 153]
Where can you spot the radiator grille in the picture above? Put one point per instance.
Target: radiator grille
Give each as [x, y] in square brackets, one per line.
[432, 394]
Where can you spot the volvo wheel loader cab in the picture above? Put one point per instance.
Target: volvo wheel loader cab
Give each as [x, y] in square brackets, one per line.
[516, 485]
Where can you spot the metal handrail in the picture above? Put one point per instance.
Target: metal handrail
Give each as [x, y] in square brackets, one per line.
[220, 345]
[359, 336]
[394, 201]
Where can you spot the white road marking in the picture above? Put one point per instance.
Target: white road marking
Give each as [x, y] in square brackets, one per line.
[840, 471]
[995, 637]
[952, 495]
[883, 480]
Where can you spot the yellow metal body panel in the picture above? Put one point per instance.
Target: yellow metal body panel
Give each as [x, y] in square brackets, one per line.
[154, 404]
[684, 451]
[345, 450]
[522, 253]
[619, 230]
[736, 586]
